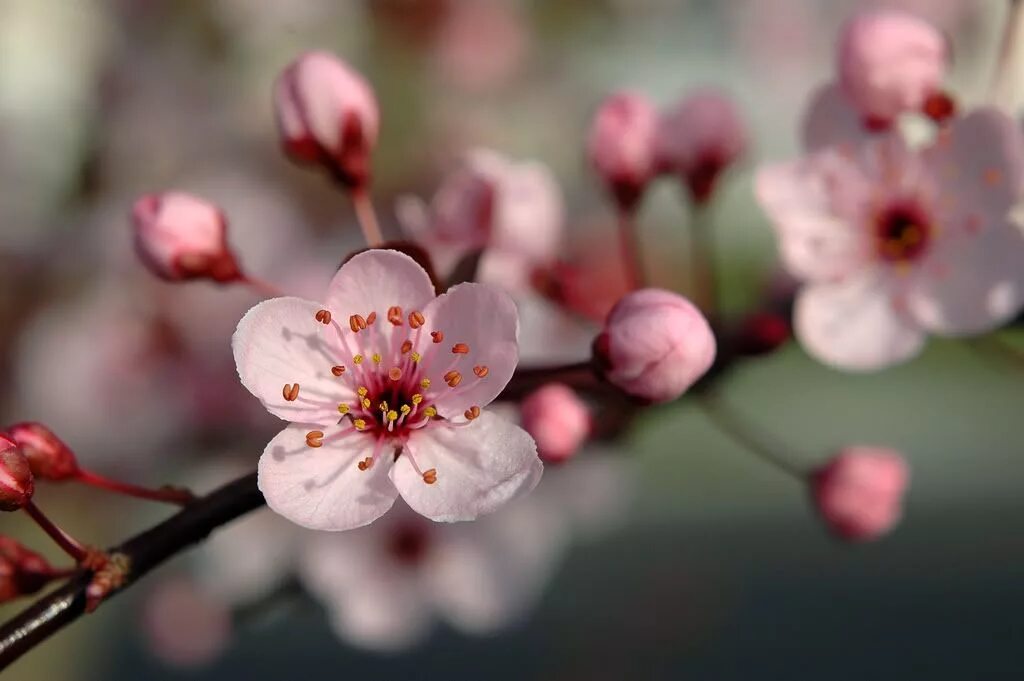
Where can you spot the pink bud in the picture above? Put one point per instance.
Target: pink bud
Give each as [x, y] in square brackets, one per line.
[698, 138]
[48, 456]
[621, 145]
[16, 482]
[179, 236]
[557, 419]
[859, 491]
[891, 62]
[22, 572]
[655, 345]
[327, 114]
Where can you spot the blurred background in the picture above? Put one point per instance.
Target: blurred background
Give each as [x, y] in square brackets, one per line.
[692, 558]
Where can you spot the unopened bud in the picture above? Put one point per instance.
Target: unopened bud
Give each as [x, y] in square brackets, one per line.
[859, 492]
[180, 236]
[557, 419]
[48, 456]
[621, 145]
[327, 114]
[16, 482]
[22, 572]
[891, 62]
[655, 345]
[699, 138]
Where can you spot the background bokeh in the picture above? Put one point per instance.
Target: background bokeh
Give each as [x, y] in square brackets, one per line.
[717, 569]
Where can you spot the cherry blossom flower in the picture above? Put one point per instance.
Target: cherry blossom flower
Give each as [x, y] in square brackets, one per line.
[894, 243]
[557, 419]
[859, 492]
[183, 625]
[384, 386]
[620, 145]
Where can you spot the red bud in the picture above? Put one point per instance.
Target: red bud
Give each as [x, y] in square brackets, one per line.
[47, 455]
[16, 482]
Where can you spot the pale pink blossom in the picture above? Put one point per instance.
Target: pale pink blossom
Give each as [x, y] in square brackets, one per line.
[894, 243]
[180, 236]
[620, 145]
[557, 419]
[185, 626]
[698, 138]
[481, 45]
[514, 209]
[384, 385]
[890, 62]
[327, 114]
[655, 345]
[859, 492]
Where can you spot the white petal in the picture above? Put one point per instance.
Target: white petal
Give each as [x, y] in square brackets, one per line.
[480, 467]
[375, 280]
[832, 120]
[854, 325]
[280, 342]
[485, 319]
[383, 615]
[321, 487]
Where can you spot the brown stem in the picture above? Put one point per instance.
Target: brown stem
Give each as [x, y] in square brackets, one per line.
[145, 551]
[65, 541]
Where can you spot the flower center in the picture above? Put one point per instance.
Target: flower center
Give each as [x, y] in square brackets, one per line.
[902, 234]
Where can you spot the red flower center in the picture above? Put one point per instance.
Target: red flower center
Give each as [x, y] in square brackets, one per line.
[902, 233]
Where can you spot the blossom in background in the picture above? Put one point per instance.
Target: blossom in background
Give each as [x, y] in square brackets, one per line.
[894, 243]
[558, 421]
[859, 492]
[184, 625]
[620, 146]
[385, 385]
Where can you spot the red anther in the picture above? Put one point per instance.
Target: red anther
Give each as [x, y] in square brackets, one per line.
[416, 319]
[437, 336]
[480, 371]
[323, 316]
[371, 318]
[395, 374]
[337, 370]
[406, 347]
[430, 476]
[472, 412]
[290, 392]
[365, 464]
[356, 323]
[453, 378]
[395, 315]
[315, 438]
[460, 349]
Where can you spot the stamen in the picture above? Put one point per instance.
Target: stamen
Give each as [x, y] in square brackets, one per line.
[366, 403]
[323, 316]
[365, 464]
[362, 391]
[358, 359]
[371, 318]
[425, 383]
[480, 371]
[360, 424]
[376, 358]
[383, 406]
[338, 370]
[437, 336]
[430, 476]
[315, 438]
[405, 409]
[406, 347]
[472, 412]
[395, 315]
[392, 415]
[395, 374]
[453, 378]
[417, 398]
[460, 349]
[416, 319]
[356, 323]
[343, 408]
[290, 392]
[415, 357]
[430, 412]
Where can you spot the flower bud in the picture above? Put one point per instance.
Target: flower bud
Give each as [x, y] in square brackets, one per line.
[859, 492]
[48, 456]
[655, 344]
[557, 419]
[22, 572]
[327, 114]
[890, 62]
[179, 236]
[698, 138]
[16, 482]
[621, 145]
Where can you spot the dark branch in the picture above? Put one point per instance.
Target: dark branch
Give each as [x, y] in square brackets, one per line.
[56, 610]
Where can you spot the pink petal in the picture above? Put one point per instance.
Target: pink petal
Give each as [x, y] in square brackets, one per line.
[374, 281]
[811, 203]
[486, 320]
[384, 616]
[280, 342]
[854, 324]
[480, 467]
[831, 120]
[322, 488]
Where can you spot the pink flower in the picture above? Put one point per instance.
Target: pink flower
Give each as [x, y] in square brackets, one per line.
[185, 626]
[557, 419]
[621, 145]
[698, 138]
[890, 62]
[16, 482]
[859, 492]
[179, 236]
[384, 385]
[893, 244]
[655, 345]
[327, 114]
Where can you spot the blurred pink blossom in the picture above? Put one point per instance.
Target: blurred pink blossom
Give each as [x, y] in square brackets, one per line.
[410, 401]
[481, 45]
[894, 244]
[859, 492]
[557, 419]
[183, 625]
[620, 145]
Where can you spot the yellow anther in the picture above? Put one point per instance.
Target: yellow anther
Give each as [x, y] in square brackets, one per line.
[392, 415]
[376, 358]
[360, 424]
[430, 411]
[343, 408]
[358, 359]
[405, 409]
[362, 391]
[366, 403]
[425, 383]
[417, 398]
[384, 406]
[415, 357]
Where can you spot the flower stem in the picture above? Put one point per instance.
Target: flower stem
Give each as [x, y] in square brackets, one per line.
[367, 217]
[702, 260]
[262, 287]
[733, 424]
[170, 495]
[1003, 90]
[66, 542]
[630, 249]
